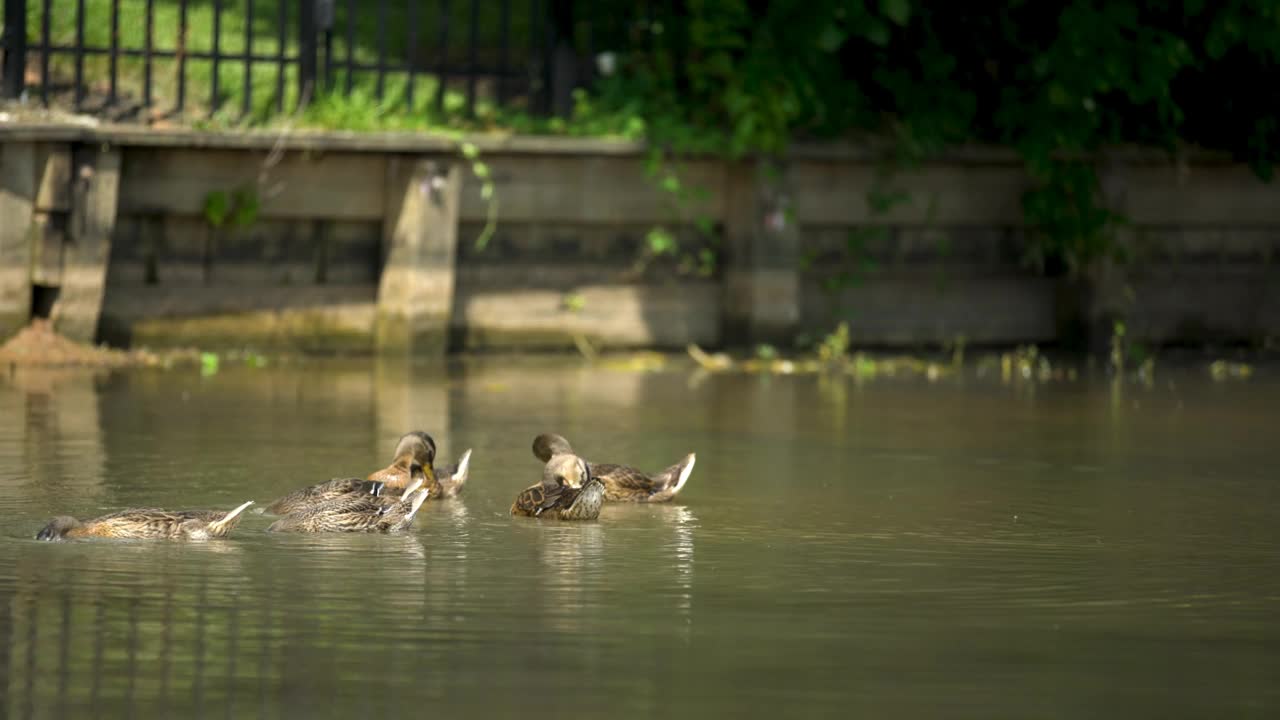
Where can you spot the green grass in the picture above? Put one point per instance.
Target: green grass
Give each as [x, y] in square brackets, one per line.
[361, 110]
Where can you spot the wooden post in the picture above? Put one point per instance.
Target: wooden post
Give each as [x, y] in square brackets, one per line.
[95, 187]
[420, 237]
[761, 277]
[17, 203]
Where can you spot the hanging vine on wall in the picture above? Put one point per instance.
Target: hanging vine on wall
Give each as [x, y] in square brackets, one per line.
[488, 192]
[1058, 80]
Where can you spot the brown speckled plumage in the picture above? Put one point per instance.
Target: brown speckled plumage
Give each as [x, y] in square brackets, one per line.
[413, 448]
[361, 513]
[147, 524]
[621, 482]
[567, 492]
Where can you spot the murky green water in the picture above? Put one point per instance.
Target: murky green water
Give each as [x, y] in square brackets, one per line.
[898, 549]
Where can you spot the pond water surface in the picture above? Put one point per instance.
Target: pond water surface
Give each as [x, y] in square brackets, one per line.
[892, 549]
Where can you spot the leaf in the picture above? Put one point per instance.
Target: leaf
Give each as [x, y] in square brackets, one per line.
[899, 11]
[878, 33]
[705, 225]
[469, 151]
[217, 205]
[661, 242]
[831, 38]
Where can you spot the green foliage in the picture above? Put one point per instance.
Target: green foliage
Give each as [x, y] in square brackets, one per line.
[1058, 80]
[237, 208]
[835, 346]
[488, 193]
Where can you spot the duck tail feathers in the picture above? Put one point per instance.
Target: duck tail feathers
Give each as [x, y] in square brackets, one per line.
[230, 518]
[418, 499]
[464, 467]
[674, 478]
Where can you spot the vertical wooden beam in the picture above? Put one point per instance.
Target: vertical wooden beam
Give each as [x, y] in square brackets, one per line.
[761, 276]
[17, 203]
[420, 237]
[95, 188]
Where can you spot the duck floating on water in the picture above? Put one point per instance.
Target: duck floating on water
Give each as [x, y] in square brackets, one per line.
[568, 491]
[414, 447]
[360, 513]
[147, 524]
[623, 483]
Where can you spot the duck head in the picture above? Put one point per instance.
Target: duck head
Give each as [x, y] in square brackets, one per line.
[566, 470]
[547, 445]
[419, 449]
[58, 528]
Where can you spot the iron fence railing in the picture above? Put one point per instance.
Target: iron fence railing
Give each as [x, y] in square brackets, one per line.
[108, 53]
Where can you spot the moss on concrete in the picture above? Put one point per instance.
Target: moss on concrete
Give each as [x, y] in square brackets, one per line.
[486, 339]
[311, 331]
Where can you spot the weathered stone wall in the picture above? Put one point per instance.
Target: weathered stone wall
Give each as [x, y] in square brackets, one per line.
[360, 243]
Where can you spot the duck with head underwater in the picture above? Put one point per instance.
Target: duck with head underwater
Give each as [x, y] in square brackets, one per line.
[621, 482]
[360, 512]
[568, 491]
[414, 447]
[147, 524]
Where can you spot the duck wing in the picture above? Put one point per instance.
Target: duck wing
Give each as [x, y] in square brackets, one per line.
[321, 492]
[537, 499]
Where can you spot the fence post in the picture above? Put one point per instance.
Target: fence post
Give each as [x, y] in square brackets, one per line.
[308, 54]
[15, 48]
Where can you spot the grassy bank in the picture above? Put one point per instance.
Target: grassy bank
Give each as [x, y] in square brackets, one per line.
[271, 90]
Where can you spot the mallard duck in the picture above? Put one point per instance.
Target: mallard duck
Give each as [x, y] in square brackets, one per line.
[147, 524]
[417, 446]
[567, 492]
[359, 513]
[414, 447]
[623, 483]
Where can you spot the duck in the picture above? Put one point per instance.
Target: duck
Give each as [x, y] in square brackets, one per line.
[147, 524]
[568, 491]
[621, 482]
[419, 447]
[359, 513]
[413, 447]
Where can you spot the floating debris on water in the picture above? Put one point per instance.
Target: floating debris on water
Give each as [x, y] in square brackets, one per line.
[1226, 370]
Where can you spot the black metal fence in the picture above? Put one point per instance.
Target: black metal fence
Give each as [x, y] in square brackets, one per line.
[150, 56]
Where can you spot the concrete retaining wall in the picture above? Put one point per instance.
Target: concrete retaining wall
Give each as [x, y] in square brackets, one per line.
[360, 243]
